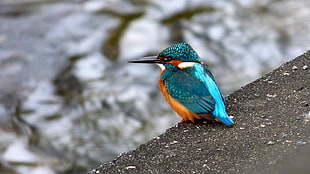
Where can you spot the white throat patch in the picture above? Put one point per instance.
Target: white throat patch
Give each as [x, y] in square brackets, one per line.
[184, 65]
[162, 67]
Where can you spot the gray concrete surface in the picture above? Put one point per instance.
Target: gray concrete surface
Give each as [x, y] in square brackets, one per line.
[271, 134]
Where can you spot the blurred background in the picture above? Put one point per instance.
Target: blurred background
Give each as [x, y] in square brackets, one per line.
[68, 99]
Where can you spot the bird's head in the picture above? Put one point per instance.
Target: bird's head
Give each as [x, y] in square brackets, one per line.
[180, 55]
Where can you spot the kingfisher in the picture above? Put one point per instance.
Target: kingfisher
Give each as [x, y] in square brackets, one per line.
[188, 85]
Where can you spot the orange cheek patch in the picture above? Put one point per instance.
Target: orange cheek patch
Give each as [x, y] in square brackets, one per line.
[175, 62]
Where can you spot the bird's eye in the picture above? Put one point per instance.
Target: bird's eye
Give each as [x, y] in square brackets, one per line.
[167, 58]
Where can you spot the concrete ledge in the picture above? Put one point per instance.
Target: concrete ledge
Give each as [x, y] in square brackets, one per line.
[271, 134]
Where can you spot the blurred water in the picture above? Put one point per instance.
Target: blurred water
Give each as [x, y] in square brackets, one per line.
[69, 100]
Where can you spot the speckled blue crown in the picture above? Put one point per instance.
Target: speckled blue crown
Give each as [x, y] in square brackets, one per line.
[181, 51]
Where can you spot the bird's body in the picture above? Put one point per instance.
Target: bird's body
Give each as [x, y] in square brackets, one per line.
[188, 85]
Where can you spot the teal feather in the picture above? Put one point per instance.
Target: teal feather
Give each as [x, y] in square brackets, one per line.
[181, 51]
[191, 84]
[193, 87]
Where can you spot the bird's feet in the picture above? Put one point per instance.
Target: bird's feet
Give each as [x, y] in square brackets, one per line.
[182, 121]
[217, 120]
[210, 119]
[186, 120]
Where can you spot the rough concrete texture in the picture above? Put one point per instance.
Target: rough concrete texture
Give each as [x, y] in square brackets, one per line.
[271, 134]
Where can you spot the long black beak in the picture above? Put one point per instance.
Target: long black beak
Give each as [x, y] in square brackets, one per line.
[151, 59]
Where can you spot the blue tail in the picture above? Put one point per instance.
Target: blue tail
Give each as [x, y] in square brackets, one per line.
[227, 120]
[223, 117]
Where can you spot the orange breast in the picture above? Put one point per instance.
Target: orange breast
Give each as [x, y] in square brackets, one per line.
[177, 106]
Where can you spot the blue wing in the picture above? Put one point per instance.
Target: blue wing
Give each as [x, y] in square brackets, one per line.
[197, 91]
[190, 91]
[208, 72]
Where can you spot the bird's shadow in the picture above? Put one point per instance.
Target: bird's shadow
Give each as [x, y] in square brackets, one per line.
[205, 122]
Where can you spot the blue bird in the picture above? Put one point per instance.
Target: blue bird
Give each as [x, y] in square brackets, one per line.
[188, 85]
